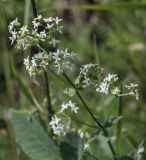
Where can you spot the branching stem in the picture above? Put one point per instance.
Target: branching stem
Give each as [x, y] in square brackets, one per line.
[92, 115]
[80, 97]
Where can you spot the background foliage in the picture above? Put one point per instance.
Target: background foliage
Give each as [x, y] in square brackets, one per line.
[109, 32]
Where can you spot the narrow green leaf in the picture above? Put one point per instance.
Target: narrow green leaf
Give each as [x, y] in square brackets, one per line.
[32, 138]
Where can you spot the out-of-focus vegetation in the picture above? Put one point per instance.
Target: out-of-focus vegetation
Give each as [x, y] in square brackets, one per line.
[109, 32]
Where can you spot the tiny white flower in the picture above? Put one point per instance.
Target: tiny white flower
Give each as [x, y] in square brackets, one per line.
[35, 24]
[86, 145]
[59, 127]
[87, 82]
[30, 65]
[13, 37]
[111, 77]
[81, 133]
[13, 24]
[54, 42]
[103, 88]
[67, 54]
[50, 19]
[131, 86]
[49, 26]
[24, 29]
[57, 20]
[115, 91]
[33, 63]
[31, 71]
[70, 105]
[59, 29]
[85, 76]
[73, 106]
[26, 60]
[64, 106]
[133, 90]
[38, 17]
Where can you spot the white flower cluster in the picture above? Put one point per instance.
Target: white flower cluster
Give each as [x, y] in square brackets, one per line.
[106, 84]
[133, 90]
[50, 23]
[13, 24]
[92, 75]
[89, 73]
[59, 125]
[62, 59]
[44, 29]
[37, 63]
[71, 105]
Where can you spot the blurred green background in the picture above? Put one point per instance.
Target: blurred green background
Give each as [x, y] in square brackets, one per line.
[109, 32]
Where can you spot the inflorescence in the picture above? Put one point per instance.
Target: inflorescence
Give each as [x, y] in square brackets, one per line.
[45, 30]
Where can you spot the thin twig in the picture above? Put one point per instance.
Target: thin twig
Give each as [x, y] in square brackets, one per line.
[84, 123]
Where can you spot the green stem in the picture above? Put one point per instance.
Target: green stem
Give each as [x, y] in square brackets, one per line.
[92, 115]
[84, 103]
[48, 95]
[27, 12]
[119, 126]
[34, 8]
[84, 123]
[45, 73]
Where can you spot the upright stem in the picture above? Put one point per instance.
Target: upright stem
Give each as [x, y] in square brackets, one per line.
[34, 8]
[119, 126]
[45, 73]
[92, 115]
[27, 12]
[48, 95]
